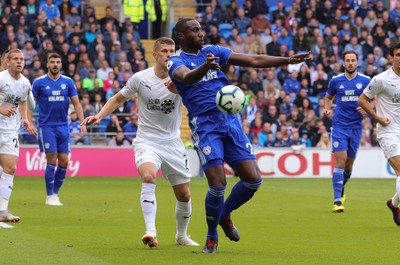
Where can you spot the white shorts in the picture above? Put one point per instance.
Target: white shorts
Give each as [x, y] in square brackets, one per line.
[171, 157]
[9, 144]
[390, 144]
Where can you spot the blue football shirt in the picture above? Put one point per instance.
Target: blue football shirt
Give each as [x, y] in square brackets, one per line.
[347, 93]
[200, 97]
[52, 97]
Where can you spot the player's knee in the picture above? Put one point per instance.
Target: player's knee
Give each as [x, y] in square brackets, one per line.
[183, 197]
[10, 169]
[148, 178]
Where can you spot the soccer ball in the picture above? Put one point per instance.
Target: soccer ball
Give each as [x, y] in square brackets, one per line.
[230, 99]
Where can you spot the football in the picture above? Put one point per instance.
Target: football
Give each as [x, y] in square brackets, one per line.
[230, 99]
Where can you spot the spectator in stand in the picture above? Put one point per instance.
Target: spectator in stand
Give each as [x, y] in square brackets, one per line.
[270, 114]
[251, 109]
[108, 83]
[64, 8]
[213, 36]
[250, 10]
[370, 20]
[291, 85]
[238, 44]
[119, 140]
[86, 107]
[301, 41]
[298, 101]
[254, 83]
[256, 125]
[88, 82]
[104, 70]
[109, 18]
[273, 47]
[75, 131]
[230, 12]
[113, 90]
[113, 127]
[29, 52]
[263, 134]
[320, 85]
[279, 13]
[210, 18]
[51, 10]
[136, 60]
[241, 21]
[324, 142]
[259, 23]
[73, 17]
[269, 77]
[296, 117]
[131, 128]
[98, 102]
[32, 8]
[232, 75]
[363, 9]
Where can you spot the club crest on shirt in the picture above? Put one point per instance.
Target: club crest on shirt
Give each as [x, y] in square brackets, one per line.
[63, 86]
[359, 86]
[335, 144]
[207, 150]
[169, 64]
[167, 106]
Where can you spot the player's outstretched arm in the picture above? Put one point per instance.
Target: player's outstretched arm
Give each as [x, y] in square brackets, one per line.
[266, 61]
[113, 103]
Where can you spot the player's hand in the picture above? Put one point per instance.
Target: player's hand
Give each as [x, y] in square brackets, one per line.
[94, 120]
[299, 58]
[327, 113]
[211, 64]
[8, 111]
[361, 111]
[171, 87]
[383, 121]
[83, 130]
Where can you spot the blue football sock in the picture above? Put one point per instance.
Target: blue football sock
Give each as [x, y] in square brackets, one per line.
[59, 178]
[346, 177]
[240, 194]
[337, 182]
[49, 178]
[214, 206]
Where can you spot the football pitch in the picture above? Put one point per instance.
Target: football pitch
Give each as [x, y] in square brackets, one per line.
[289, 221]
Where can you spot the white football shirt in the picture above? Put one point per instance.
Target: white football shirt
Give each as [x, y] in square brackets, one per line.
[386, 87]
[12, 93]
[160, 111]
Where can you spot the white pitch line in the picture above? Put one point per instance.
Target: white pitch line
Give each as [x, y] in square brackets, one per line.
[4, 225]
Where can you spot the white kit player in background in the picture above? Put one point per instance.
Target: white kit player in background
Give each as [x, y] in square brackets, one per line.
[157, 144]
[14, 91]
[385, 89]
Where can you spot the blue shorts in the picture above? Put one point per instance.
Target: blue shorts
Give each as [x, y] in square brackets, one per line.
[346, 140]
[219, 137]
[54, 139]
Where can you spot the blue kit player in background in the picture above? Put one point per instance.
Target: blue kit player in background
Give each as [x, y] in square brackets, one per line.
[53, 92]
[347, 123]
[218, 137]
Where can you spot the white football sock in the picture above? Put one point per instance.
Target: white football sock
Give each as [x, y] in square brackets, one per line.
[6, 186]
[396, 199]
[149, 206]
[183, 211]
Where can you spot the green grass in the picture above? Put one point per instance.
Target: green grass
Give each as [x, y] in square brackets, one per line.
[287, 222]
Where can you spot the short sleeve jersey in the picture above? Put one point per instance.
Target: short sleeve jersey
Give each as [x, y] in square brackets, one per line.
[385, 88]
[347, 92]
[12, 93]
[53, 97]
[160, 111]
[200, 97]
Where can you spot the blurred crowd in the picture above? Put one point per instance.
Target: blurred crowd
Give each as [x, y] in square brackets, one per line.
[284, 104]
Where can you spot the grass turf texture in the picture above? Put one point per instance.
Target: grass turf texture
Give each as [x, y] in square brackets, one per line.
[289, 221]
